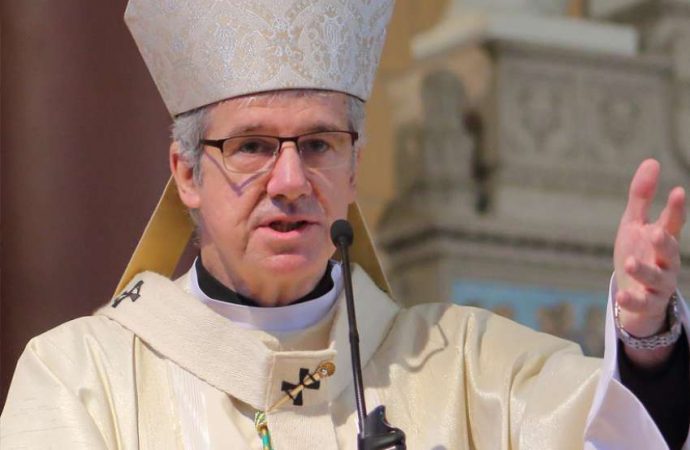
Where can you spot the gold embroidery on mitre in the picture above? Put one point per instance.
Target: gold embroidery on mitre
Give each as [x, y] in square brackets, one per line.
[203, 51]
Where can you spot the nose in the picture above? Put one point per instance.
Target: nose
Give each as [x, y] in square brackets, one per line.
[288, 178]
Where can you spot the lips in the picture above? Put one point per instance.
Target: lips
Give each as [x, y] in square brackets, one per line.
[287, 225]
[283, 226]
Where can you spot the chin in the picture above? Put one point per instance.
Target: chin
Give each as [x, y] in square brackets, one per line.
[297, 265]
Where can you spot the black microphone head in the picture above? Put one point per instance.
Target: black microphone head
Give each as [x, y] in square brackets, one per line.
[341, 232]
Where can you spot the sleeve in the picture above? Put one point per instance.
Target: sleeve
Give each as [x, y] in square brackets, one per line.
[663, 391]
[61, 397]
[618, 418]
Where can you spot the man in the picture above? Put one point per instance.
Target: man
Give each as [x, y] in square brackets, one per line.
[267, 139]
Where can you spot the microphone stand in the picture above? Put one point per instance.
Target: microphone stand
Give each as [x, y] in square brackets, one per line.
[375, 433]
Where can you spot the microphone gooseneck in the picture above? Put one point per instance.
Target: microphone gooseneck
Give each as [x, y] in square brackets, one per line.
[374, 431]
[342, 237]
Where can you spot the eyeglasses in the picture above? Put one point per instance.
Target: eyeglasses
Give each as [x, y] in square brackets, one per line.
[256, 153]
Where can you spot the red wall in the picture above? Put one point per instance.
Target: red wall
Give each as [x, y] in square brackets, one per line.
[83, 153]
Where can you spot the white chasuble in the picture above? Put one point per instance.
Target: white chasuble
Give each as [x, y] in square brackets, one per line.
[158, 369]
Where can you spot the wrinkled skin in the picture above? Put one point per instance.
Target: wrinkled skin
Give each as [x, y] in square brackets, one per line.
[237, 244]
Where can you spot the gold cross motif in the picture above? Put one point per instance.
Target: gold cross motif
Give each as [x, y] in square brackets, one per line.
[307, 380]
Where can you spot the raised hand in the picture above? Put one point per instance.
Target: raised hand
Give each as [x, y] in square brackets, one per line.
[647, 259]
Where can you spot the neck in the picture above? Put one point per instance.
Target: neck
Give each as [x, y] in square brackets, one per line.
[269, 291]
[214, 289]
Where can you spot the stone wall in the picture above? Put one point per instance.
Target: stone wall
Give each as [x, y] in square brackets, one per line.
[513, 159]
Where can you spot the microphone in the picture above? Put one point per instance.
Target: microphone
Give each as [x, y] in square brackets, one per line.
[374, 431]
[341, 233]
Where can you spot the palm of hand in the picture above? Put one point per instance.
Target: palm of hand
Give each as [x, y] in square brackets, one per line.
[647, 255]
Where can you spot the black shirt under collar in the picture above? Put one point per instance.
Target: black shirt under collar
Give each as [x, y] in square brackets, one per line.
[216, 290]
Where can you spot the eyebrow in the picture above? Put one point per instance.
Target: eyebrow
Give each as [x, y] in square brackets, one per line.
[245, 129]
[325, 126]
[257, 128]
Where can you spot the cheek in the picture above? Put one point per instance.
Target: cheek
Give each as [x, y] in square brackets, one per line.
[226, 210]
[335, 193]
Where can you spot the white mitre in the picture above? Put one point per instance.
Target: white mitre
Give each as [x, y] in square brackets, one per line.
[200, 52]
[203, 51]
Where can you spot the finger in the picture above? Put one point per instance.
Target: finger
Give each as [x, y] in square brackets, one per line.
[651, 277]
[666, 250]
[641, 193]
[672, 218]
[640, 302]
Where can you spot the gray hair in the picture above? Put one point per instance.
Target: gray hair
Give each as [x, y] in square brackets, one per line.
[189, 128]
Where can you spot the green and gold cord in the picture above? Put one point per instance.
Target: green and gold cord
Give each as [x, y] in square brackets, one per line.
[262, 428]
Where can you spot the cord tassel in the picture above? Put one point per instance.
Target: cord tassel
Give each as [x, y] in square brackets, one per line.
[262, 428]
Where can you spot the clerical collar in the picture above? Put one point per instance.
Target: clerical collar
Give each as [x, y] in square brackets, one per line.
[216, 290]
[246, 313]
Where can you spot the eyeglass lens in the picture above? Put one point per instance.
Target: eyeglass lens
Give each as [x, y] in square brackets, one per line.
[249, 154]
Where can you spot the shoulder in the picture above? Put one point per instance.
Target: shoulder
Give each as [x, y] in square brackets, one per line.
[88, 354]
[470, 327]
[445, 316]
[86, 340]
[79, 331]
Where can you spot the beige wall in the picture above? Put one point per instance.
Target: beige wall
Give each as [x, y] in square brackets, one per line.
[376, 182]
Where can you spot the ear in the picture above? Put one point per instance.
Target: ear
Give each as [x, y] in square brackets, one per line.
[183, 173]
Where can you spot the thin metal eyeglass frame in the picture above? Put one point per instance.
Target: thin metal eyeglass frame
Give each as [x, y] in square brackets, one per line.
[218, 143]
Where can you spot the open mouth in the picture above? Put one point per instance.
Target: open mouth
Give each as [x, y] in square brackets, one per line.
[284, 227]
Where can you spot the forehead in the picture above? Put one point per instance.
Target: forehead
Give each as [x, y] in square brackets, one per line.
[280, 111]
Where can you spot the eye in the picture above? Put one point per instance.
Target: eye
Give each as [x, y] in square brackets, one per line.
[250, 145]
[315, 145]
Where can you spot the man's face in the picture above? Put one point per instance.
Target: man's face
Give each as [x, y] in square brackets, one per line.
[247, 222]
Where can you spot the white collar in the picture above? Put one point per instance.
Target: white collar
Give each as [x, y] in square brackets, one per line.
[279, 318]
